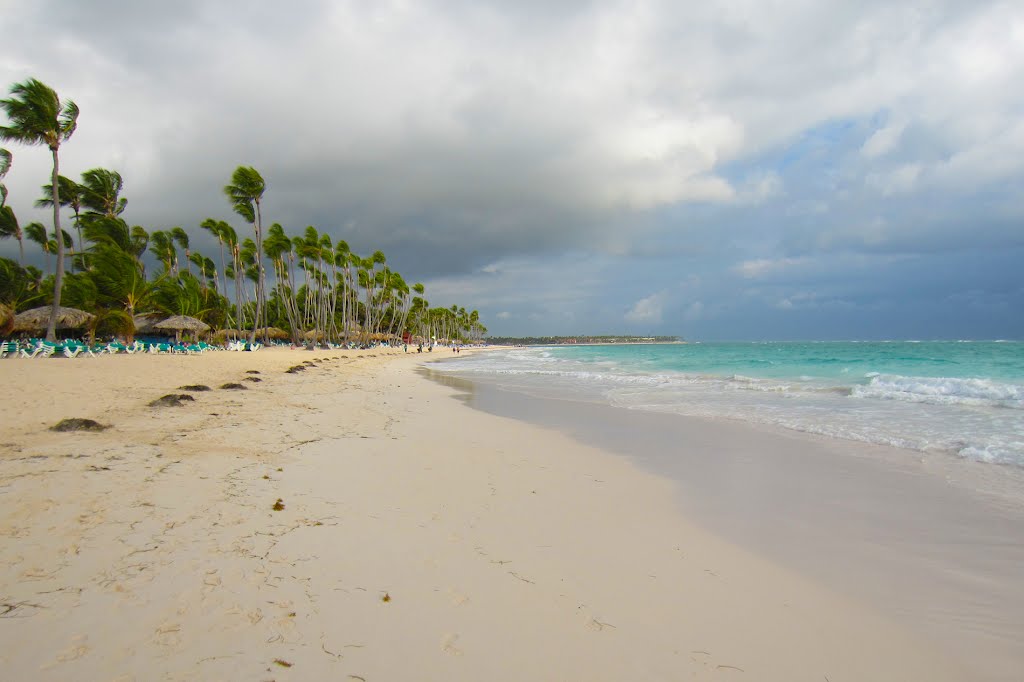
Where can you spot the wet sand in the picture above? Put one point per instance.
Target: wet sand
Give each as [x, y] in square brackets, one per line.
[890, 528]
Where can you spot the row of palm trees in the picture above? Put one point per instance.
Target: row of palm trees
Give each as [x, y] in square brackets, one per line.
[314, 288]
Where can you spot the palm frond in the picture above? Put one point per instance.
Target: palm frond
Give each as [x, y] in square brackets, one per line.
[9, 223]
[36, 115]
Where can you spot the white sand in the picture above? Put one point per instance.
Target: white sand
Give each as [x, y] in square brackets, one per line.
[419, 539]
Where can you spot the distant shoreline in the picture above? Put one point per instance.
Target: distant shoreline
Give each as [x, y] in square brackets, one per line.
[582, 340]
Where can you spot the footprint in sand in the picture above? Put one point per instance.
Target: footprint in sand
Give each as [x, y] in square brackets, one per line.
[457, 598]
[448, 645]
[168, 634]
[212, 579]
[77, 649]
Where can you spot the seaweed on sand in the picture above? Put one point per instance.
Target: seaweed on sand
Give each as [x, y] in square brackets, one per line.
[171, 400]
[78, 424]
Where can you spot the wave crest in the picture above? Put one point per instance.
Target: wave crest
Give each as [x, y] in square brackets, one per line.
[942, 391]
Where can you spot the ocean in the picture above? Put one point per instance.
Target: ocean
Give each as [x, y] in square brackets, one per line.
[962, 399]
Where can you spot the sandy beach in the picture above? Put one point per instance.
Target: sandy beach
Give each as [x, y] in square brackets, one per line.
[355, 521]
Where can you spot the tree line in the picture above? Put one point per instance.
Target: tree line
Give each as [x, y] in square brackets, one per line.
[563, 340]
[317, 288]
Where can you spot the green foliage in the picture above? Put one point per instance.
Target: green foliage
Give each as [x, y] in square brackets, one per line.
[37, 116]
[19, 287]
[113, 322]
[245, 191]
[101, 193]
[80, 291]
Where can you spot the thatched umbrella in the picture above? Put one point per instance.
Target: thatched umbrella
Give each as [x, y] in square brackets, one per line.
[6, 319]
[272, 333]
[38, 319]
[221, 335]
[182, 323]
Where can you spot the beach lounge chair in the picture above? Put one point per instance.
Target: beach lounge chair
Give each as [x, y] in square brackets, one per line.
[8, 347]
[47, 349]
[30, 351]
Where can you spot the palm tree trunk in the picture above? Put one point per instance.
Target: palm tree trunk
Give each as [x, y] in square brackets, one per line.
[259, 276]
[58, 281]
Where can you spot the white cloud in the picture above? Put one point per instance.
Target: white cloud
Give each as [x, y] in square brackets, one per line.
[900, 180]
[882, 141]
[763, 266]
[647, 310]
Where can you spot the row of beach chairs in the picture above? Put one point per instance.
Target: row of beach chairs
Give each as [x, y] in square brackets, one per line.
[38, 348]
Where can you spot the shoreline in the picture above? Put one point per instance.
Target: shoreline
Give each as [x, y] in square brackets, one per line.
[418, 538]
[880, 524]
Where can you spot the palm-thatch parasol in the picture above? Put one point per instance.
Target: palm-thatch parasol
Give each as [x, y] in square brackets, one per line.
[6, 319]
[222, 335]
[38, 319]
[182, 323]
[313, 334]
[272, 333]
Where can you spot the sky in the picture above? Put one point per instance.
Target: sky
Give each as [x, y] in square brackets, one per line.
[722, 170]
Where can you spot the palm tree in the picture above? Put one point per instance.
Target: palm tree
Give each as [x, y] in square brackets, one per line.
[120, 278]
[278, 247]
[101, 193]
[37, 117]
[9, 228]
[36, 232]
[180, 237]
[18, 286]
[71, 196]
[245, 193]
[5, 165]
[8, 221]
[161, 246]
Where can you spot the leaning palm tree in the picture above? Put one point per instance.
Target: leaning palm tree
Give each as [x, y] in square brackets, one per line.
[9, 228]
[245, 193]
[161, 246]
[180, 237]
[101, 193]
[36, 232]
[5, 165]
[70, 196]
[37, 116]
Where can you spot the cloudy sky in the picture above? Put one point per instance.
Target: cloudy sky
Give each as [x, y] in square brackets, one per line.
[728, 169]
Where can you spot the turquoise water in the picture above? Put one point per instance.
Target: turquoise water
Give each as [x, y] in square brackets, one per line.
[965, 399]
